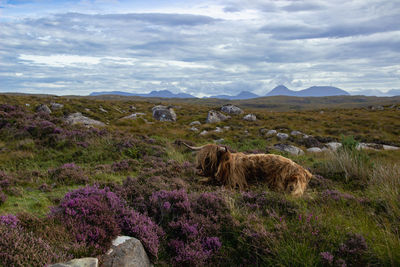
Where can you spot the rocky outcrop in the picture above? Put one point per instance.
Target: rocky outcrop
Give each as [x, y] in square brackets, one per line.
[231, 109]
[78, 118]
[215, 116]
[43, 108]
[250, 117]
[83, 262]
[126, 252]
[56, 106]
[282, 136]
[289, 149]
[163, 113]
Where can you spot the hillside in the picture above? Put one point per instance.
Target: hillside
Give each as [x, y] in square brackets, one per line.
[68, 190]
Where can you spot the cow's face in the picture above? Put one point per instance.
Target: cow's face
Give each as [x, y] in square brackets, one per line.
[208, 159]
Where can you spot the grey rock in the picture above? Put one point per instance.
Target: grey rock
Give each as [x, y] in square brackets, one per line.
[204, 133]
[282, 136]
[218, 130]
[227, 128]
[271, 133]
[263, 131]
[296, 133]
[219, 141]
[250, 117]
[132, 107]
[194, 129]
[126, 252]
[333, 145]
[193, 123]
[289, 148]
[231, 109]
[83, 262]
[56, 106]
[215, 116]
[163, 113]
[78, 118]
[43, 108]
[133, 116]
[386, 147]
[103, 110]
[28, 105]
[314, 150]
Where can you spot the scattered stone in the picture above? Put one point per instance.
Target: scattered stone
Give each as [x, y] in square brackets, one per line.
[163, 113]
[380, 108]
[56, 106]
[194, 129]
[386, 147]
[28, 105]
[289, 148]
[78, 118]
[231, 109]
[132, 107]
[321, 112]
[103, 110]
[246, 132]
[282, 136]
[43, 108]
[215, 116]
[227, 128]
[296, 133]
[87, 110]
[333, 145]
[250, 117]
[126, 252]
[263, 131]
[314, 150]
[271, 133]
[219, 141]
[204, 133]
[193, 123]
[83, 262]
[309, 141]
[218, 130]
[133, 116]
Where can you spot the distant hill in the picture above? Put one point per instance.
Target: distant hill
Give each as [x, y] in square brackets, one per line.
[241, 95]
[393, 92]
[162, 93]
[315, 91]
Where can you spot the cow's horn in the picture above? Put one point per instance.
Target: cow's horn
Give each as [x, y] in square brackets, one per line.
[195, 148]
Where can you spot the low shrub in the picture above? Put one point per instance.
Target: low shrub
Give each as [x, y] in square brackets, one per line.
[68, 174]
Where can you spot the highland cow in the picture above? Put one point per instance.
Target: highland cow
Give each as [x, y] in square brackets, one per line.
[237, 170]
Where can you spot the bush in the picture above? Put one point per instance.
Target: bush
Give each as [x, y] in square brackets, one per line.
[68, 174]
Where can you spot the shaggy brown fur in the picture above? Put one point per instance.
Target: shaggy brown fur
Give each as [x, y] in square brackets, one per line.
[236, 170]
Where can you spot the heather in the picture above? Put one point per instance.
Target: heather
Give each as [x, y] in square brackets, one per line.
[67, 190]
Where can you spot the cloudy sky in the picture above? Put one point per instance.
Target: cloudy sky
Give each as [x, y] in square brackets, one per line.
[198, 47]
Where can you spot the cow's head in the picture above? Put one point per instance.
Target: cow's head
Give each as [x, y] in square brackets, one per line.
[209, 158]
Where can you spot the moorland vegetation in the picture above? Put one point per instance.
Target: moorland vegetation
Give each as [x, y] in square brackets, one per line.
[66, 191]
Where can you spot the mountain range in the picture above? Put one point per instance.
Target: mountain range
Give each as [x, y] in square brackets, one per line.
[313, 91]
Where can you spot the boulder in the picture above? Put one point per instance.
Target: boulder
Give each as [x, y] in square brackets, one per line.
[289, 148]
[83, 262]
[333, 145]
[215, 116]
[250, 117]
[282, 136]
[78, 118]
[56, 106]
[163, 113]
[126, 252]
[271, 133]
[204, 133]
[194, 129]
[43, 108]
[218, 130]
[314, 150]
[193, 123]
[231, 109]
